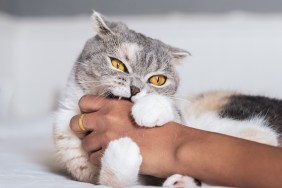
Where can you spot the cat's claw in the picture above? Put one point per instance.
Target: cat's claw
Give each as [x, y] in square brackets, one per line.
[153, 110]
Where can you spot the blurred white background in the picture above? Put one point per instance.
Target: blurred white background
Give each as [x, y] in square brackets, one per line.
[234, 45]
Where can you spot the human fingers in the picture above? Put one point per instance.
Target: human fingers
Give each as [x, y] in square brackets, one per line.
[91, 103]
[83, 123]
[92, 142]
[95, 157]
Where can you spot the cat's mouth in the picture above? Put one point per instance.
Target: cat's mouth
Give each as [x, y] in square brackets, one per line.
[112, 96]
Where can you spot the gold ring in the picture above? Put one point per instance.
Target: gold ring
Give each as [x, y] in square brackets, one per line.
[80, 122]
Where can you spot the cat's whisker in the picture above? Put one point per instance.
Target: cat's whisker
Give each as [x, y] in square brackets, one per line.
[104, 85]
[104, 95]
[100, 85]
[85, 81]
[103, 92]
[94, 82]
[178, 98]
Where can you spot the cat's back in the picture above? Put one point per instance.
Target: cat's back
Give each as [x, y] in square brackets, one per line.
[235, 107]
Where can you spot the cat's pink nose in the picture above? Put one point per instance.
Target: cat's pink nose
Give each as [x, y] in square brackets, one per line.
[134, 90]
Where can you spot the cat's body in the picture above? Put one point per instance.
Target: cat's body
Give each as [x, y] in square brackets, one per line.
[249, 117]
[123, 63]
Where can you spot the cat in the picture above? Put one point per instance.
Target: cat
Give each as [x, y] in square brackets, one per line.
[120, 62]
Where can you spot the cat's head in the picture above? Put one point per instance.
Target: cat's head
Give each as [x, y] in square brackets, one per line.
[124, 63]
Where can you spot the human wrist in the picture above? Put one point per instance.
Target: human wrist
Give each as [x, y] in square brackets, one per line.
[168, 138]
[187, 154]
[181, 152]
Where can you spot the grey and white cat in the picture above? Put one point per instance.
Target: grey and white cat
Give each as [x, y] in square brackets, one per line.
[123, 63]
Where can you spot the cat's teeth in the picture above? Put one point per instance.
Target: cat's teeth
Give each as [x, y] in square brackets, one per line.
[119, 98]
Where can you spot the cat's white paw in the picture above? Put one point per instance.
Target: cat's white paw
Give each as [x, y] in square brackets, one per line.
[120, 163]
[180, 181]
[153, 110]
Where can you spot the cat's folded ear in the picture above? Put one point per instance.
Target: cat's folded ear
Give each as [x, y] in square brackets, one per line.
[101, 25]
[178, 54]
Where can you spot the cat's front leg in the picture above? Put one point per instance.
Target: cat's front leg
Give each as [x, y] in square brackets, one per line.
[154, 110]
[120, 163]
[69, 150]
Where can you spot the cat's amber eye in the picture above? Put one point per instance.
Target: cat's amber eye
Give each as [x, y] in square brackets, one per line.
[157, 80]
[118, 65]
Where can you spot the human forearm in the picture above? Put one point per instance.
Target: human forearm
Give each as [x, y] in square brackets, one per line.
[224, 160]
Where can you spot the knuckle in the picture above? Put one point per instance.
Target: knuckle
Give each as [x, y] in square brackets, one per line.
[109, 117]
[81, 102]
[107, 137]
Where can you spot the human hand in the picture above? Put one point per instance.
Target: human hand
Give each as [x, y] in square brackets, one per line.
[109, 119]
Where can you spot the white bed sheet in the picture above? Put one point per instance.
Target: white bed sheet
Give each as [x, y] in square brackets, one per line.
[26, 161]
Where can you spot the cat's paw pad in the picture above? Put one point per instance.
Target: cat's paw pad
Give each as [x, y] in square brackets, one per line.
[180, 181]
[121, 162]
[153, 110]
